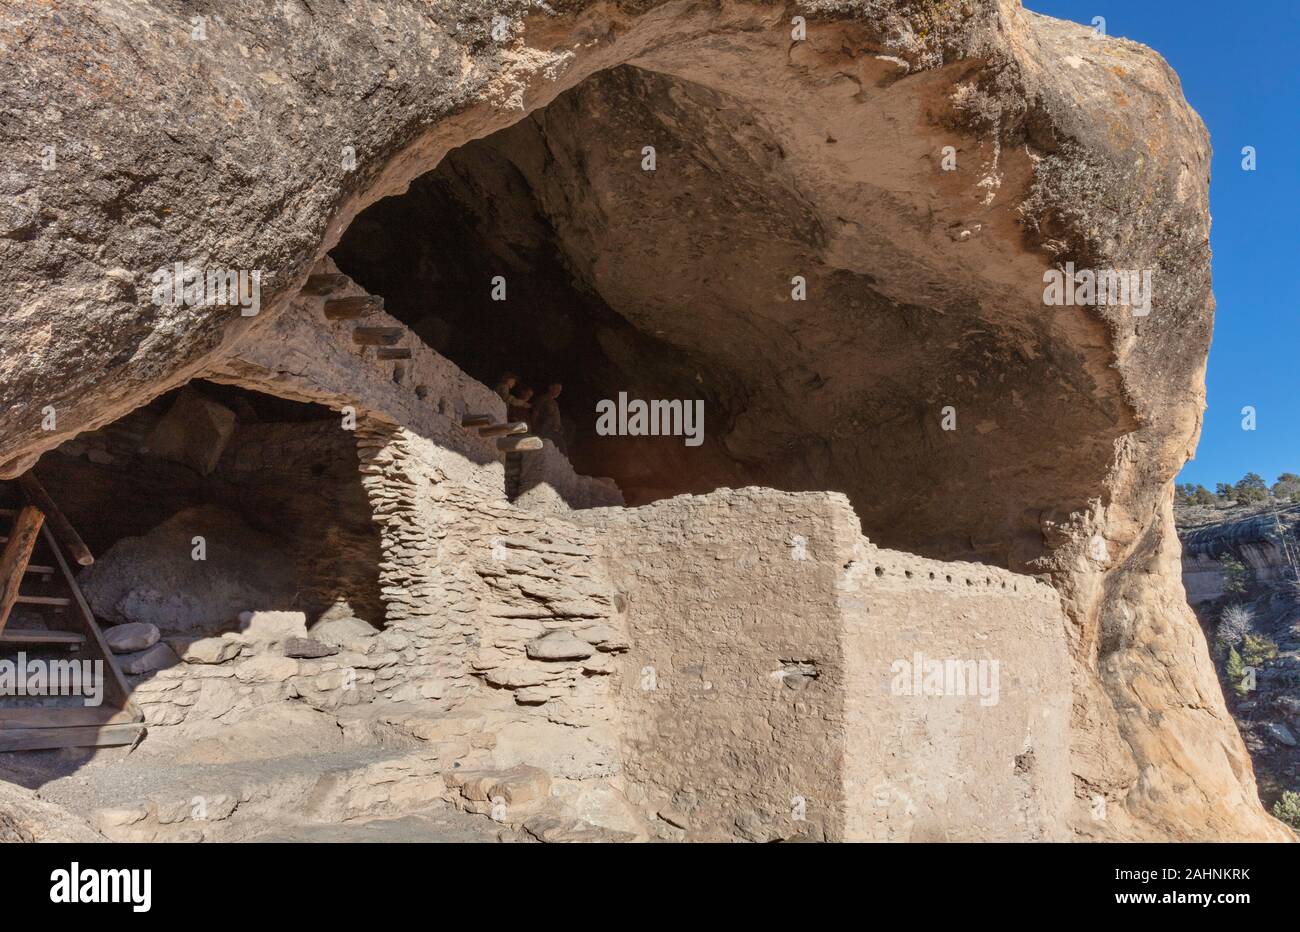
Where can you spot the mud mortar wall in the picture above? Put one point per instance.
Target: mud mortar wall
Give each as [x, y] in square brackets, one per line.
[733, 692]
[759, 698]
[986, 761]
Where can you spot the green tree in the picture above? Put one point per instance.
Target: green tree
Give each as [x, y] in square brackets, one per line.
[1236, 576]
[1223, 491]
[1287, 809]
[1235, 671]
[1256, 649]
[1250, 488]
[1287, 486]
[1202, 496]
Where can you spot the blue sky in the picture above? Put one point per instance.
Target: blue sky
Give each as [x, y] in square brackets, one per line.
[1237, 63]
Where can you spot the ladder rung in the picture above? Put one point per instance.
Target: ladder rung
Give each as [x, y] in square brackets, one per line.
[63, 717]
[39, 638]
[42, 570]
[36, 739]
[43, 600]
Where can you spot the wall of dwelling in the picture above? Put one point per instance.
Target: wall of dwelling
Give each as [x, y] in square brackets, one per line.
[757, 698]
[977, 752]
[239, 675]
[733, 695]
[545, 480]
[717, 660]
[475, 585]
[468, 580]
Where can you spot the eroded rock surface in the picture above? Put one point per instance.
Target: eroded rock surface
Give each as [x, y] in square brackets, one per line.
[235, 150]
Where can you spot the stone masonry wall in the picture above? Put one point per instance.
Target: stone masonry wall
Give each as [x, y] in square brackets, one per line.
[507, 611]
[976, 749]
[547, 482]
[757, 700]
[713, 662]
[733, 698]
[300, 480]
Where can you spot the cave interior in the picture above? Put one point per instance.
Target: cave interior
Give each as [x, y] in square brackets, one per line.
[710, 278]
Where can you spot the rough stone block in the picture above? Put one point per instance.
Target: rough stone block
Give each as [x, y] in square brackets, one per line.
[194, 431]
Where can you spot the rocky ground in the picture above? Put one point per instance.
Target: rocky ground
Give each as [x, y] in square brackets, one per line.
[1269, 715]
[1190, 516]
[293, 779]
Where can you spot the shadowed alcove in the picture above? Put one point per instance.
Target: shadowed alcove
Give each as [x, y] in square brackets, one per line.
[714, 276]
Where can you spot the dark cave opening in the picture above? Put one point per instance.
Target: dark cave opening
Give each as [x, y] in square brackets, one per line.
[477, 224]
[714, 277]
[212, 500]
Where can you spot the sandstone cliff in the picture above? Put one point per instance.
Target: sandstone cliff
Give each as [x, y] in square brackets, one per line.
[251, 139]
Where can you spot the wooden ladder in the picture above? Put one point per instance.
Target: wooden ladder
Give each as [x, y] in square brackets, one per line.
[34, 573]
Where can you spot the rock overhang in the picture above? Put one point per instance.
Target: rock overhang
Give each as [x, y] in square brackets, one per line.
[1107, 163]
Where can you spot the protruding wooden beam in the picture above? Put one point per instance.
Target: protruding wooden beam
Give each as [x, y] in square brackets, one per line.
[393, 352]
[98, 736]
[475, 420]
[377, 336]
[15, 557]
[59, 524]
[519, 444]
[324, 283]
[352, 307]
[501, 430]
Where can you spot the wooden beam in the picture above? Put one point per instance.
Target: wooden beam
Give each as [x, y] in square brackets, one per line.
[91, 736]
[56, 600]
[501, 430]
[115, 687]
[377, 336]
[17, 636]
[324, 283]
[59, 524]
[393, 352]
[15, 557]
[63, 717]
[475, 420]
[519, 444]
[353, 306]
